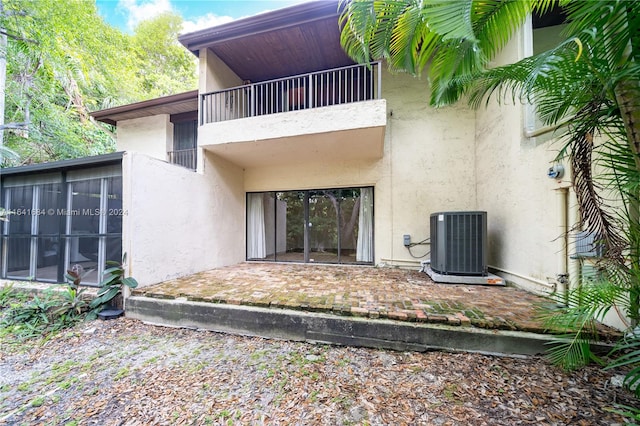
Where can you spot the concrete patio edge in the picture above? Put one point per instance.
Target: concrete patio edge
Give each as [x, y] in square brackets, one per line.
[332, 329]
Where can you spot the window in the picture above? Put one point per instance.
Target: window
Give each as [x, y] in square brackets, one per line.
[185, 143]
[543, 33]
[323, 226]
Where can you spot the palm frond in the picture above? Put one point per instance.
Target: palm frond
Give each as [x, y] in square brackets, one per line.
[451, 19]
[357, 20]
[620, 174]
[571, 352]
[496, 21]
[458, 37]
[630, 349]
[631, 413]
[616, 21]
[584, 305]
[547, 78]
[410, 30]
[7, 154]
[493, 22]
[593, 210]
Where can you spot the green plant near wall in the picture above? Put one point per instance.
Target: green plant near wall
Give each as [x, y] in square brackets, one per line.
[112, 284]
[33, 318]
[72, 304]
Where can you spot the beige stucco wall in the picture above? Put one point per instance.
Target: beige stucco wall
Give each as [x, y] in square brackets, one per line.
[152, 136]
[430, 166]
[432, 160]
[525, 207]
[427, 166]
[215, 74]
[177, 222]
[227, 210]
[529, 213]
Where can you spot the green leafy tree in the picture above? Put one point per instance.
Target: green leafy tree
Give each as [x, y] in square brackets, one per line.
[591, 80]
[54, 58]
[64, 61]
[164, 66]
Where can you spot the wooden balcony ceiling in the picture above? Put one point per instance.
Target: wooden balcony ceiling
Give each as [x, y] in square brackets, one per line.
[290, 41]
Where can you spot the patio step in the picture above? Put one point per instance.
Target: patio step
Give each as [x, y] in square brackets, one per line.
[332, 329]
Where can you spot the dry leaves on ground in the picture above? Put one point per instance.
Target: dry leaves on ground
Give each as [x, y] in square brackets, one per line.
[123, 372]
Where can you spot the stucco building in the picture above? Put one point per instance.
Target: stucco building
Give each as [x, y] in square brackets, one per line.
[289, 151]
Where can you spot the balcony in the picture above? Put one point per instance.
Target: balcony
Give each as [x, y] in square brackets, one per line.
[184, 157]
[333, 87]
[335, 113]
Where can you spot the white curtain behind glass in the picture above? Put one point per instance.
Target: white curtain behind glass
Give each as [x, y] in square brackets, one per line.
[256, 244]
[364, 250]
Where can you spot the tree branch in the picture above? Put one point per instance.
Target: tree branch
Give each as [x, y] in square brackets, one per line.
[14, 126]
[16, 37]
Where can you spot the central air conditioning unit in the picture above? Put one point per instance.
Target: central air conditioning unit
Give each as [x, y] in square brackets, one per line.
[459, 243]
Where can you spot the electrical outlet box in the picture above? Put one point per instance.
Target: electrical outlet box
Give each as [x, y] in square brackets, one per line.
[406, 239]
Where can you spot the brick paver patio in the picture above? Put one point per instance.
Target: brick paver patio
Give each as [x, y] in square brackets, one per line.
[359, 291]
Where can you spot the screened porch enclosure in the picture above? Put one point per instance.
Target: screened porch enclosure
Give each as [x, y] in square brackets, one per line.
[322, 226]
[62, 221]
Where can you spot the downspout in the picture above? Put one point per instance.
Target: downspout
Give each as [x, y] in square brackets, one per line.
[573, 262]
[563, 257]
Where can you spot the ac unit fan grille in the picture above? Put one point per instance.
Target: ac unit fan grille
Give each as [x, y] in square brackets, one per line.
[458, 241]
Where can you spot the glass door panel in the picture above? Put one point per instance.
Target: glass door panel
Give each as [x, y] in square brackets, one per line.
[349, 215]
[18, 257]
[290, 209]
[20, 230]
[323, 226]
[85, 225]
[113, 216]
[47, 262]
[50, 196]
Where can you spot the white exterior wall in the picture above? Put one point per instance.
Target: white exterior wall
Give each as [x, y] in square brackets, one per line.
[176, 221]
[152, 136]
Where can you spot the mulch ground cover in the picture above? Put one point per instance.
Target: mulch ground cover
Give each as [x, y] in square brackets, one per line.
[123, 372]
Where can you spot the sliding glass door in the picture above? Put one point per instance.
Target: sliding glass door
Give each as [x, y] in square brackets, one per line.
[323, 226]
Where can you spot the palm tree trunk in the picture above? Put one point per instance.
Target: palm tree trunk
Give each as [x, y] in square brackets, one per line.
[627, 93]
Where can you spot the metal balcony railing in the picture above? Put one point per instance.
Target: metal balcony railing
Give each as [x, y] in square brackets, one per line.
[184, 157]
[323, 88]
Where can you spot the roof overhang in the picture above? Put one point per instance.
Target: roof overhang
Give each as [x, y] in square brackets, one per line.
[181, 103]
[294, 40]
[65, 165]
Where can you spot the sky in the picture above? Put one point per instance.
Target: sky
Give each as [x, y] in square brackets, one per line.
[197, 14]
